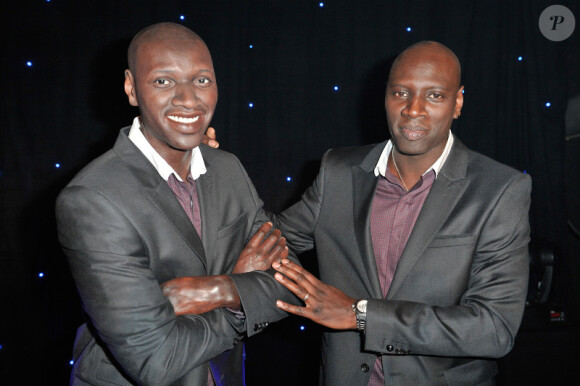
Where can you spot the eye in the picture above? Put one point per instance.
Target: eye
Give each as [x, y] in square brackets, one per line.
[203, 81]
[400, 94]
[161, 82]
[436, 96]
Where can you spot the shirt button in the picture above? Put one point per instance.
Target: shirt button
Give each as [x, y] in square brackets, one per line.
[365, 368]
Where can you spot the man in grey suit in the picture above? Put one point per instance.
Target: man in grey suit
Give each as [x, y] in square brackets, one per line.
[421, 243]
[157, 206]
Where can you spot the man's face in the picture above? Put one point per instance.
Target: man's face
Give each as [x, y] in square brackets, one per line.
[175, 88]
[422, 97]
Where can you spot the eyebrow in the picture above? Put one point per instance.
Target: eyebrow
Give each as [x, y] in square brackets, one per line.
[169, 70]
[433, 87]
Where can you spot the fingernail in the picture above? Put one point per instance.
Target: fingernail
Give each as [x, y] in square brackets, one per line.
[285, 261]
[278, 276]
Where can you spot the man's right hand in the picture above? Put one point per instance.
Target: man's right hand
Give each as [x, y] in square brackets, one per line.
[260, 253]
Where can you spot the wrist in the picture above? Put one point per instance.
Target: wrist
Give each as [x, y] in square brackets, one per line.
[228, 292]
[359, 307]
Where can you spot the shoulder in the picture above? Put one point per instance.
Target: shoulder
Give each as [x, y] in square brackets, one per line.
[365, 156]
[490, 169]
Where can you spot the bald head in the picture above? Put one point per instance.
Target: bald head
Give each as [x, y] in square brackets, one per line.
[155, 33]
[429, 51]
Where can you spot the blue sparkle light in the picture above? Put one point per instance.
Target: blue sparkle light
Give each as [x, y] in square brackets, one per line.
[71, 362]
[321, 4]
[520, 58]
[182, 17]
[525, 172]
[302, 328]
[288, 178]
[548, 104]
[409, 29]
[250, 105]
[251, 46]
[29, 63]
[57, 165]
[41, 274]
[1, 347]
[335, 88]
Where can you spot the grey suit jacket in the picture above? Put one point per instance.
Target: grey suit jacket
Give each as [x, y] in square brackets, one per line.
[124, 233]
[458, 294]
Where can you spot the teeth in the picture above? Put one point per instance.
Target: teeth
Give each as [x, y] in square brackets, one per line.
[183, 119]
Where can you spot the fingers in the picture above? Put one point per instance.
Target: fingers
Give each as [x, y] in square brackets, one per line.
[259, 235]
[296, 289]
[296, 310]
[210, 138]
[297, 273]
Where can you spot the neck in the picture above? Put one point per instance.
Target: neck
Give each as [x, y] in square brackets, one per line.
[408, 169]
[180, 162]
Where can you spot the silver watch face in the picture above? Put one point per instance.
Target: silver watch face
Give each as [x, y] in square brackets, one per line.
[361, 306]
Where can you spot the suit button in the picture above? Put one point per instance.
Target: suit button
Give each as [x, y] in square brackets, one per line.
[399, 351]
[365, 368]
[256, 327]
[390, 348]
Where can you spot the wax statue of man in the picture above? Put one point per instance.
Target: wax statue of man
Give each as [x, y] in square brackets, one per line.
[159, 206]
[421, 243]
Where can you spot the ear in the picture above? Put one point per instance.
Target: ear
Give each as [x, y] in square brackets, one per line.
[130, 88]
[458, 102]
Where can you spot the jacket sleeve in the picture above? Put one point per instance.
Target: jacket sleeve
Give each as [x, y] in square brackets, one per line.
[258, 290]
[486, 319]
[122, 297]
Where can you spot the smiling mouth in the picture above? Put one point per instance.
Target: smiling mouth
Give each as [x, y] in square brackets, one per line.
[175, 118]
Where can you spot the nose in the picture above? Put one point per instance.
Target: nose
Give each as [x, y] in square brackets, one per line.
[185, 96]
[415, 107]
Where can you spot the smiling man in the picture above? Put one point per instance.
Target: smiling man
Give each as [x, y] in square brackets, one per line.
[159, 206]
[421, 243]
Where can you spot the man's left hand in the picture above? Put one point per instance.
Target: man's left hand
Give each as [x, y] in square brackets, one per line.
[323, 303]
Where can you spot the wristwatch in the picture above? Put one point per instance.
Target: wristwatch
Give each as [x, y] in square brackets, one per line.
[360, 310]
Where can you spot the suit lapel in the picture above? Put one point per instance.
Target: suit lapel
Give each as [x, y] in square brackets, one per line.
[158, 192]
[443, 196]
[364, 185]
[208, 197]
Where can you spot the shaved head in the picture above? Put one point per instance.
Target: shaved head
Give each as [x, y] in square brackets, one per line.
[425, 50]
[155, 33]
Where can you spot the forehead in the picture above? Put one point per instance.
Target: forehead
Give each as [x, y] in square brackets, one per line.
[425, 66]
[189, 52]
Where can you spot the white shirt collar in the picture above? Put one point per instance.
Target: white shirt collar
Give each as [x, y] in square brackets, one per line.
[197, 167]
[384, 158]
